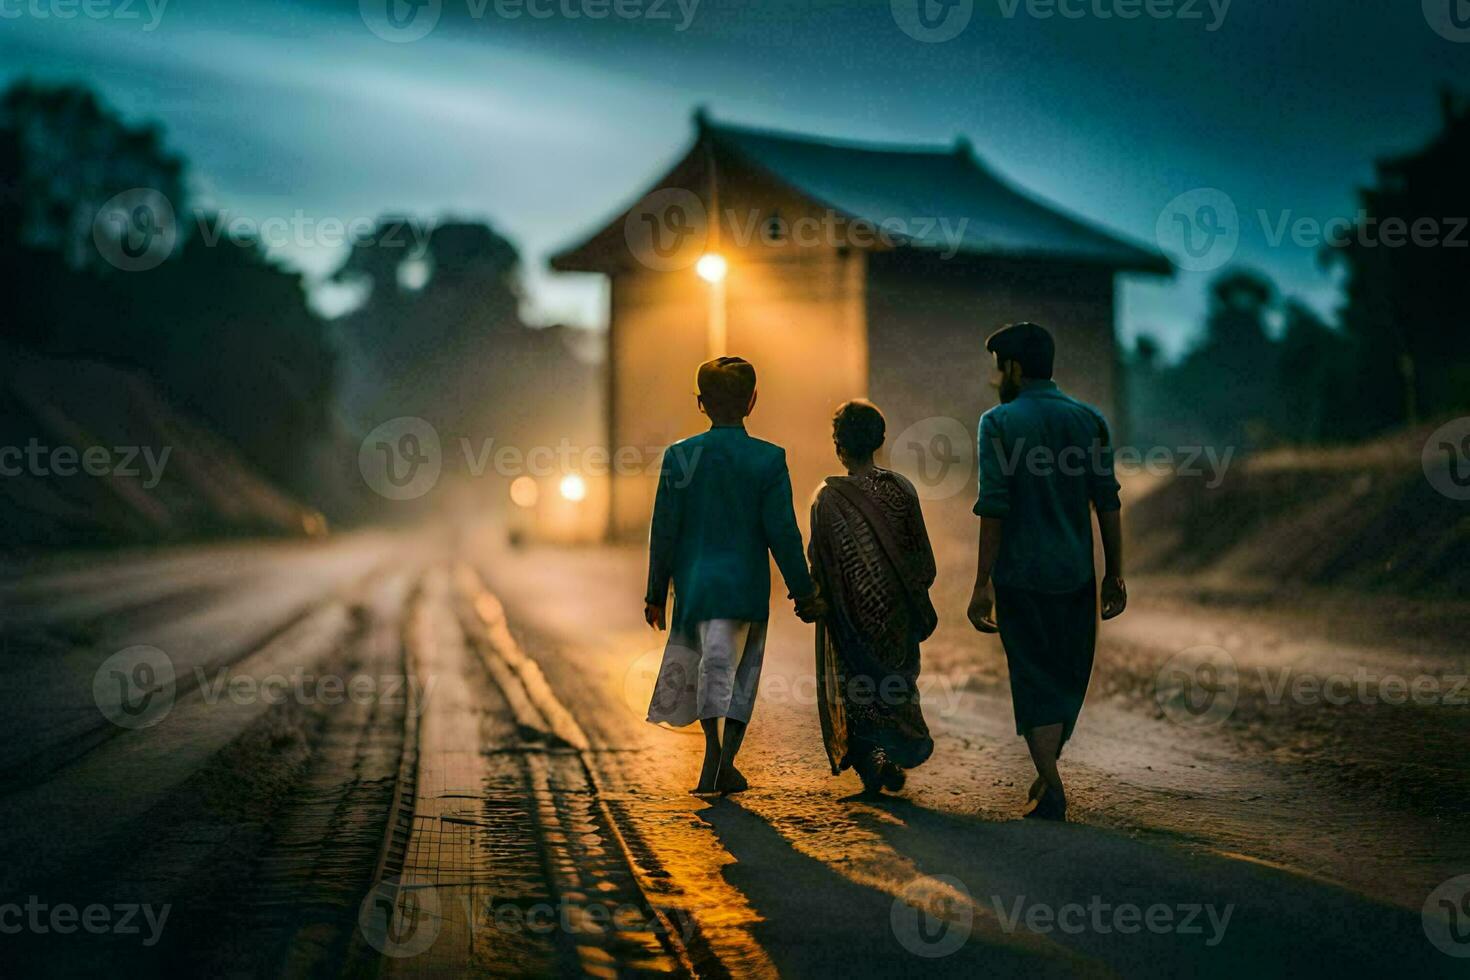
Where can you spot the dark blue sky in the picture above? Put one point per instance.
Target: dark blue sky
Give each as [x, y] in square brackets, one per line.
[546, 125]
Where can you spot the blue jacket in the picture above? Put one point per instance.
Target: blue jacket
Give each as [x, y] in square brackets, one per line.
[723, 502]
[1044, 458]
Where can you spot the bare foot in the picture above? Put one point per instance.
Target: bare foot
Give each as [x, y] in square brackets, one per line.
[1034, 796]
[732, 781]
[708, 774]
[1051, 805]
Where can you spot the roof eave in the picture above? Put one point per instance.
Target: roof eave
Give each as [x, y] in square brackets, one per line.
[586, 253]
[1144, 262]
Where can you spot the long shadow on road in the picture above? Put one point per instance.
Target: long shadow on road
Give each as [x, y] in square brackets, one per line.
[819, 923]
[1058, 899]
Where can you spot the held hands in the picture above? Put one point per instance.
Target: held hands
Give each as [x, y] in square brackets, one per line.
[1114, 596]
[810, 608]
[982, 609]
[981, 612]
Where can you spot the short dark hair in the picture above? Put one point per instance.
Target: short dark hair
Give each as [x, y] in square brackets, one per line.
[1028, 344]
[857, 428]
[725, 386]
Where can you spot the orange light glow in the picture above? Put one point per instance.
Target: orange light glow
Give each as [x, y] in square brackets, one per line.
[524, 492]
[712, 267]
[573, 487]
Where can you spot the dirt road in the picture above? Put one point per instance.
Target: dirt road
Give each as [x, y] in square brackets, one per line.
[393, 754]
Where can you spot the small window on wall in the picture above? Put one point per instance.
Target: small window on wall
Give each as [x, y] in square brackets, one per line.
[774, 230]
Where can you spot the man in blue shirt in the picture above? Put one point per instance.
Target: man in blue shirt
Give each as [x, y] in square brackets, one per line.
[723, 504]
[1046, 464]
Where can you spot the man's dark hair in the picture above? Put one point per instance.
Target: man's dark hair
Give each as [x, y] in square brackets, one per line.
[858, 428]
[1028, 344]
[725, 386]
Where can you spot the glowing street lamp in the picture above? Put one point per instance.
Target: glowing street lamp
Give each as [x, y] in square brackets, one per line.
[712, 267]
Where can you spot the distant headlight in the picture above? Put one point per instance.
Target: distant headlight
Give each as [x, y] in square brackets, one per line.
[573, 487]
[524, 492]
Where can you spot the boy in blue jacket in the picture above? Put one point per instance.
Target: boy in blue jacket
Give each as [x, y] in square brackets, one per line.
[723, 502]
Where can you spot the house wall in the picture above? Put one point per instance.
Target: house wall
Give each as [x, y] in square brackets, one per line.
[823, 323]
[657, 339]
[794, 310]
[801, 323]
[927, 323]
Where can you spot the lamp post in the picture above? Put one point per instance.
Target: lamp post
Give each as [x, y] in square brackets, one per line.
[712, 268]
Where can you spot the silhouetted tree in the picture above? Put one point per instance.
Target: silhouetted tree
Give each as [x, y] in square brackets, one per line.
[1237, 385]
[1408, 284]
[447, 349]
[448, 345]
[1154, 414]
[10, 192]
[74, 155]
[1231, 375]
[223, 331]
[229, 333]
[1311, 388]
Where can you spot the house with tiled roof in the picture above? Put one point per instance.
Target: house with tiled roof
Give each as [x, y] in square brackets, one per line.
[841, 270]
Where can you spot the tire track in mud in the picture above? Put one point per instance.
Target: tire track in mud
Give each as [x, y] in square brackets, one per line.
[58, 722]
[226, 802]
[294, 910]
[516, 863]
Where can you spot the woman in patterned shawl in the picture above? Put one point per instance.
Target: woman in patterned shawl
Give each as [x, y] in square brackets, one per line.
[870, 555]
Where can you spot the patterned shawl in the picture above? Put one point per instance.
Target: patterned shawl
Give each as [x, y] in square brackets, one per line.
[868, 636]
